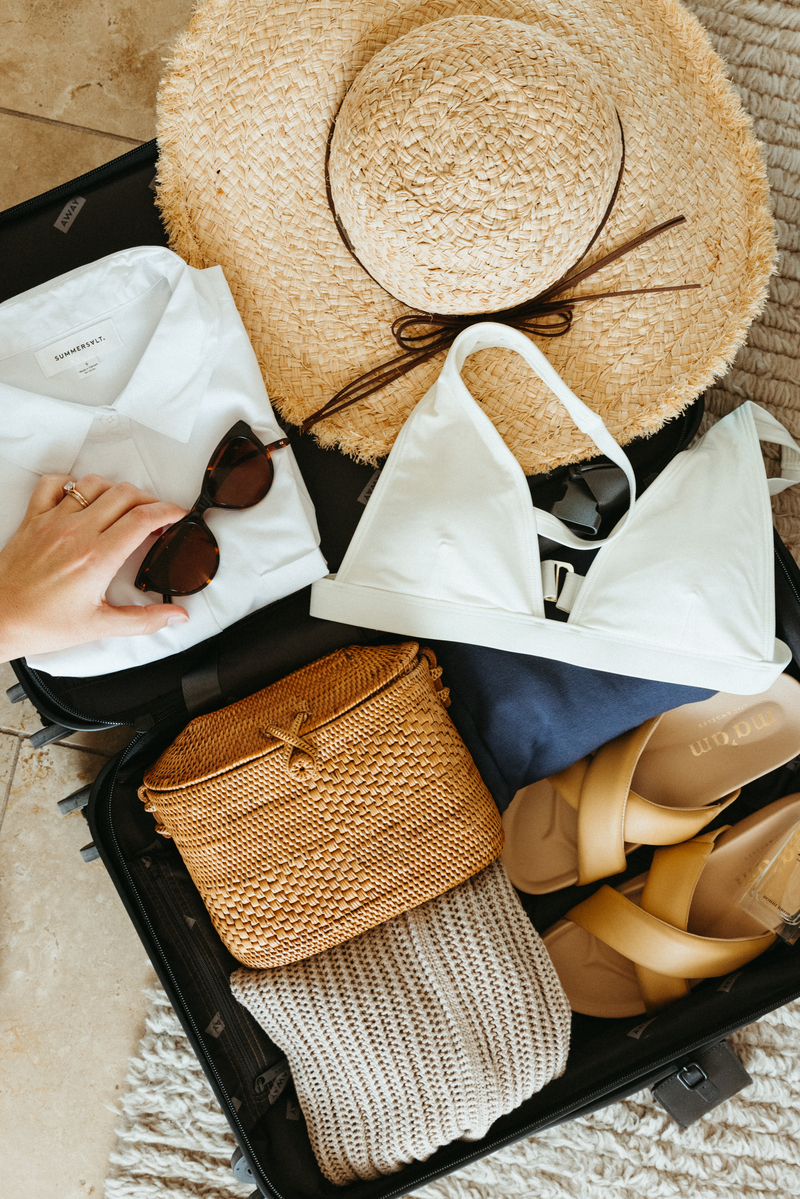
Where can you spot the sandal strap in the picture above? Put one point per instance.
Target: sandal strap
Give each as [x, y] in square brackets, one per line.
[673, 877]
[667, 895]
[611, 814]
[649, 823]
[604, 798]
[658, 947]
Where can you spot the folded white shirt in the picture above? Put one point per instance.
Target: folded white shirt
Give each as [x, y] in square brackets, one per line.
[134, 367]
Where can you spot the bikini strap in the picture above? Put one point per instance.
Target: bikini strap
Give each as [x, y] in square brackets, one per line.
[490, 335]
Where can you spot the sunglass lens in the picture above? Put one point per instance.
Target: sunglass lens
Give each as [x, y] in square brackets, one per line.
[183, 560]
[239, 474]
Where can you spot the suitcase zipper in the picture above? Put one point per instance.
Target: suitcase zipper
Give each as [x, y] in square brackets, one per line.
[64, 707]
[221, 997]
[166, 714]
[789, 578]
[145, 150]
[232, 1114]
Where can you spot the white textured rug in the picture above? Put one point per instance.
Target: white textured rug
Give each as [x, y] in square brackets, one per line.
[174, 1142]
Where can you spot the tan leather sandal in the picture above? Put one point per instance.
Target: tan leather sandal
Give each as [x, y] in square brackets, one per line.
[657, 785]
[642, 946]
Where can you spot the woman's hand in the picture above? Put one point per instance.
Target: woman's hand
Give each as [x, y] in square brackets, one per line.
[55, 570]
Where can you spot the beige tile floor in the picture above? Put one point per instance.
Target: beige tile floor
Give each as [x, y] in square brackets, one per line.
[77, 85]
[77, 88]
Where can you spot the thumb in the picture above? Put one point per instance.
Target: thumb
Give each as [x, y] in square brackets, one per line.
[136, 620]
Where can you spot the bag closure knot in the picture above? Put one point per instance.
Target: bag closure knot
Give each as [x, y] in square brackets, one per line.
[300, 754]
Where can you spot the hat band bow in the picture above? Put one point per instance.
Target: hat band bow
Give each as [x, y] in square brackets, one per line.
[421, 335]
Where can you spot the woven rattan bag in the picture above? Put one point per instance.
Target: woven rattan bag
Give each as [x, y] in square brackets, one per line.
[323, 805]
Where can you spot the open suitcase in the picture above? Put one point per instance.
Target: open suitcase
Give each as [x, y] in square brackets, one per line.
[681, 1052]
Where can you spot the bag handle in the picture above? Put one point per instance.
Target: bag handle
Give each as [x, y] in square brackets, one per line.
[486, 335]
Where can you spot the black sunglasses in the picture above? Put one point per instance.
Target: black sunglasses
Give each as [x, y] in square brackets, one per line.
[185, 557]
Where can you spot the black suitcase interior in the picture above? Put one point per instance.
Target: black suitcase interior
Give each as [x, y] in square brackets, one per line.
[680, 1051]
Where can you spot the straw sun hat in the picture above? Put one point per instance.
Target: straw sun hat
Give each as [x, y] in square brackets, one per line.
[353, 164]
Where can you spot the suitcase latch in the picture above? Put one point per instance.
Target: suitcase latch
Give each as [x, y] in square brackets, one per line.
[694, 1078]
[699, 1085]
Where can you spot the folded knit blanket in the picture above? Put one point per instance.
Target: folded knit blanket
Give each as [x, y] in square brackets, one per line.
[421, 1031]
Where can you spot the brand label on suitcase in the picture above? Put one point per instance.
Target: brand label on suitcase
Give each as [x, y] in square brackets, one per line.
[272, 1081]
[68, 213]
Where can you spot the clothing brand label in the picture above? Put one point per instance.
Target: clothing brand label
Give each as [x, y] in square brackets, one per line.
[370, 487]
[68, 213]
[82, 350]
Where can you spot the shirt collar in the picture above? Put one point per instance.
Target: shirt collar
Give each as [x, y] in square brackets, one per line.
[166, 388]
[164, 393]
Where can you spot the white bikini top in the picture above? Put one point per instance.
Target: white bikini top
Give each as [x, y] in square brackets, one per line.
[681, 591]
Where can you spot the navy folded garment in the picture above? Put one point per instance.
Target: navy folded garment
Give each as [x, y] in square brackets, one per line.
[524, 718]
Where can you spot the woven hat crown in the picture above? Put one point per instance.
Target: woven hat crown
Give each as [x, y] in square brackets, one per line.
[471, 163]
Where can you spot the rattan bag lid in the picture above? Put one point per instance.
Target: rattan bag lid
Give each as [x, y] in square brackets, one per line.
[469, 160]
[213, 744]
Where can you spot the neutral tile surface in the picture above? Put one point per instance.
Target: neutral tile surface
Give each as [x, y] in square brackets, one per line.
[91, 68]
[72, 972]
[95, 63]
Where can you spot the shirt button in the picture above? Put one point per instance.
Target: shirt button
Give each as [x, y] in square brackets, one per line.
[110, 420]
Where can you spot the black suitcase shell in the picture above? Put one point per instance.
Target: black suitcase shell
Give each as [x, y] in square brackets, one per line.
[609, 1059]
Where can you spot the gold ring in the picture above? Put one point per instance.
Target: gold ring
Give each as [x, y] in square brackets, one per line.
[71, 489]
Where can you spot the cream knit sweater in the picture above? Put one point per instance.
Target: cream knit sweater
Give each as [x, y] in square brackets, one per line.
[418, 1032]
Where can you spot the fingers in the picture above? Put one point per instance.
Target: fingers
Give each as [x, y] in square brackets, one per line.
[122, 513]
[91, 487]
[109, 501]
[46, 494]
[49, 493]
[138, 620]
[128, 532]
